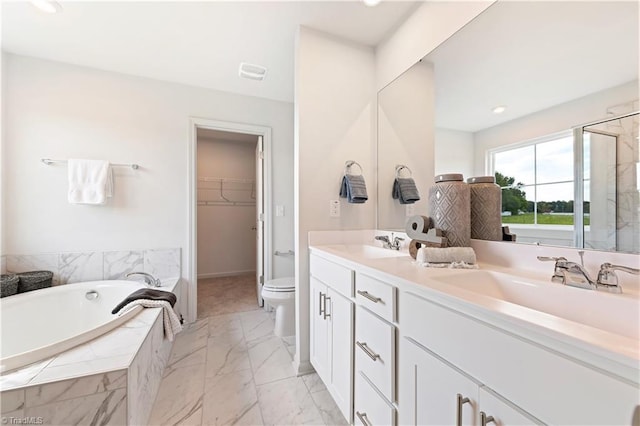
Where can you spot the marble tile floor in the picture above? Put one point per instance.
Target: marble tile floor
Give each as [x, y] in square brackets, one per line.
[229, 368]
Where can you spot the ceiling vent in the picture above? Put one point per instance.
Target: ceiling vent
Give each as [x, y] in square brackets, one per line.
[252, 71]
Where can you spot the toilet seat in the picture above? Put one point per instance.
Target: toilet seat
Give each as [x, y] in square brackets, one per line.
[280, 285]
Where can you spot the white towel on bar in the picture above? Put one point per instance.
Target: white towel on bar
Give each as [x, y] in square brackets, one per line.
[90, 181]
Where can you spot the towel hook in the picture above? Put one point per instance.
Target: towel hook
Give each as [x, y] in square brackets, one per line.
[348, 164]
[399, 168]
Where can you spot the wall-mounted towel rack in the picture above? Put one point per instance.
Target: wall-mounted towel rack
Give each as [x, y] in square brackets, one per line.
[49, 161]
[350, 163]
[401, 167]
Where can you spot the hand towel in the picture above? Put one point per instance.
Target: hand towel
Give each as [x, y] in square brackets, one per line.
[90, 181]
[405, 190]
[354, 189]
[446, 255]
[148, 294]
[170, 320]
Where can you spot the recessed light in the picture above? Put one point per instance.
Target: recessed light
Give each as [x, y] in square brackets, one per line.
[499, 109]
[47, 6]
[371, 3]
[252, 71]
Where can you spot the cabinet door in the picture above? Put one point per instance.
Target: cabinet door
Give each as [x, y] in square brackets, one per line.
[429, 390]
[501, 412]
[319, 330]
[341, 323]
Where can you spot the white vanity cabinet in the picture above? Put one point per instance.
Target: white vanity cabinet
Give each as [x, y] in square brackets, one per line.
[516, 377]
[436, 393]
[331, 340]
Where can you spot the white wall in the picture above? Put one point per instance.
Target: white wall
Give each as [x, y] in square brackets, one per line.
[430, 25]
[60, 111]
[552, 120]
[454, 152]
[335, 122]
[226, 240]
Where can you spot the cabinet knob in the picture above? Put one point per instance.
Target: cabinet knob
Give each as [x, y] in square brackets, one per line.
[460, 401]
[363, 418]
[485, 420]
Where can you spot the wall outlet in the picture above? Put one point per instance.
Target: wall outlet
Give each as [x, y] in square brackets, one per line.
[279, 211]
[334, 208]
[410, 210]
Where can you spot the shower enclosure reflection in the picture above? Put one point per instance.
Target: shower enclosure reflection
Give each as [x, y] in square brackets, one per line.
[608, 218]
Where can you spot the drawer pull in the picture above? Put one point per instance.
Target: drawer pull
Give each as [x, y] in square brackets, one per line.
[366, 295]
[460, 402]
[374, 356]
[320, 303]
[326, 315]
[363, 418]
[485, 420]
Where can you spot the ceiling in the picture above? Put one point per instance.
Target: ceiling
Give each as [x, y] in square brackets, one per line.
[194, 43]
[530, 56]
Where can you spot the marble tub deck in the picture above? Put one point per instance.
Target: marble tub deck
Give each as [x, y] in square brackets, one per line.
[230, 368]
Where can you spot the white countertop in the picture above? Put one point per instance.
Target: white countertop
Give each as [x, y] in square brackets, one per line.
[614, 353]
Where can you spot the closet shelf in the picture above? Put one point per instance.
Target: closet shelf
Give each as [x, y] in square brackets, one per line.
[225, 180]
[226, 203]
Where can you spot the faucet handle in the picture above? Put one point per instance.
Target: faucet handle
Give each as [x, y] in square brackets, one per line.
[608, 279]
[558, 274]
[551, 259]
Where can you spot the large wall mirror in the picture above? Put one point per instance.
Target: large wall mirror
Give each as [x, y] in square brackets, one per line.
[565, 75]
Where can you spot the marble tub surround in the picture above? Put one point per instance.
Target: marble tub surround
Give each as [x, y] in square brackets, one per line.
[110, 380]
[72, 267]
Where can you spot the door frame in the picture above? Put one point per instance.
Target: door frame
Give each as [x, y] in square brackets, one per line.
[196, 123]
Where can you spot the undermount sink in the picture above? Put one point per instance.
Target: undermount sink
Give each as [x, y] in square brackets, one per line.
[615, 313]
[366, 251]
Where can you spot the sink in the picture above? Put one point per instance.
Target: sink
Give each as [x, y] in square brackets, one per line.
[615, 313]
[364, 250]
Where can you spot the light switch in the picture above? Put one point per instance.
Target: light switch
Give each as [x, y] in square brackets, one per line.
[279, 211]
[334, 208]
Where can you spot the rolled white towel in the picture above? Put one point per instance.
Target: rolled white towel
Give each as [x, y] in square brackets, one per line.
[446, 255]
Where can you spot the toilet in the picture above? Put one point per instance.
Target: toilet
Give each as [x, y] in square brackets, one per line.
[280, 294]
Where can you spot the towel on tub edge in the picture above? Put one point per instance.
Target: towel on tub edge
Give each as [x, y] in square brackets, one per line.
[149, 298]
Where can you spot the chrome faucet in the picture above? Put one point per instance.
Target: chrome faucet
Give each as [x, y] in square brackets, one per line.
[387, 243]
[575, 275]
[149, 279]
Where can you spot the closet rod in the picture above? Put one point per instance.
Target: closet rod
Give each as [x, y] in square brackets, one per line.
[49, 161]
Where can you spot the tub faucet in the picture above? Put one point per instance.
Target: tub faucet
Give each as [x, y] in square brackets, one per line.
[149, 279]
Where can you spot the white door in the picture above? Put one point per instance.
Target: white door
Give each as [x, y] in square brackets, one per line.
[259, 221]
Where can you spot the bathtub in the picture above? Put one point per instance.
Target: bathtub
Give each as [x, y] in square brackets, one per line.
[43, 323]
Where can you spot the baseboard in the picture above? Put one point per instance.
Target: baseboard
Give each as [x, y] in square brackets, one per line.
[224, 274]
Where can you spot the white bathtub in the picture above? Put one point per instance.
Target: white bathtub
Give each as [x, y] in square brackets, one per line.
[43, 323]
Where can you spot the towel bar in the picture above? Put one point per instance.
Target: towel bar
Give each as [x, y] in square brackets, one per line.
[49, 161]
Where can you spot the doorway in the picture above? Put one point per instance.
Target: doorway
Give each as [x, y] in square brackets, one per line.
[229, 226]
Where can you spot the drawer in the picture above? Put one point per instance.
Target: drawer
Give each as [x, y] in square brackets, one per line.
[377, 296]
[375, 351]
[370, 407]
[336, 276]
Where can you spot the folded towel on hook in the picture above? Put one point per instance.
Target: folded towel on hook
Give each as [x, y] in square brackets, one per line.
[354, 189]
[90, 181]
[149, 298]
[405, 190]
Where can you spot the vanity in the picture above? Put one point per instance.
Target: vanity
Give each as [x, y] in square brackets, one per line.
[398, 343]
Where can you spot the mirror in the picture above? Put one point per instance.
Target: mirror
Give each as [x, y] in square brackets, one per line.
[554, 66]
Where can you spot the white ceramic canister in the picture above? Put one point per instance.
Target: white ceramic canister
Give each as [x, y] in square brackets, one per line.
[449, 207]
[486, 208]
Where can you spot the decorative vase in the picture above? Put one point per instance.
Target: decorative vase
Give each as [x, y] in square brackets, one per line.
[449, 207]
[486, 208]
